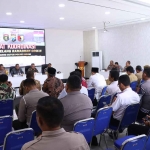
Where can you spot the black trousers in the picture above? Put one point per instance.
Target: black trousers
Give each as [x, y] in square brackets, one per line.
[114, 122]
[17, 125]
[141, 115]
[135, 129]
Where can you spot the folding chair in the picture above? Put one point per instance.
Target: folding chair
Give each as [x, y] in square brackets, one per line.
[131, 142]
[86, 128]
[102, 122]
[91, 94]
[133, 85]
[5, 127]
[129, 117]
[33, 124]
[6, 107]
[104, 91]
[16, 139]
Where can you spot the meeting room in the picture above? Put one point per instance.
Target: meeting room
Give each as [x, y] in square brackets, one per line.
[75, 75]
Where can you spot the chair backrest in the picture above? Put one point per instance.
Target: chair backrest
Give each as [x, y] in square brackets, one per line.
[16, 139]
[104, 100]
[6, 107]
[130, 115]
[33, 123]
[135, 143]
[85, 127]
[26, 69]
[133, 85]
[5, 127]
[102, 120]
[91, 94]
[104, 91]
[43, 67]
[64, 80]
[11, 68]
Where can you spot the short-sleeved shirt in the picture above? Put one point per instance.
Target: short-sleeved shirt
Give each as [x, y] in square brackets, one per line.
[110, 67]
[6, 92]
[58, 140]
[133, 77]
[53, 86]
[34, 70]
[139, 76]
[22, 90]
[2, 72]
[15, 71]
[123, 100]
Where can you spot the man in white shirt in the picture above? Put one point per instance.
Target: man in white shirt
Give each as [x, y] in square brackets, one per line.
[113, 88]
[123, 100]
[83, 89]
[97, 81]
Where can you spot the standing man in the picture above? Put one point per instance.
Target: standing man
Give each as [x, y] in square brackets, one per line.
[128, 63]
[96, 81]
[130, 72]
[16, 71]
[111, 65]
[52, 85]
[50, 113]
[48, 66]
[33, 68]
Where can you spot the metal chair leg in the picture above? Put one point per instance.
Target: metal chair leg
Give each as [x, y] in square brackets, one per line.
[99, 140]
[105, 141]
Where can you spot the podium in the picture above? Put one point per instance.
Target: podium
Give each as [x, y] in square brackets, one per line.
[81, 65]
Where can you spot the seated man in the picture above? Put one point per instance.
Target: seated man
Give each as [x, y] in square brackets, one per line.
[113, 87]
[97, 81]
[6, 91]
[2, 69]
[16, 71]
[83, 89]
[118, 67]
[123, 100]
[33, 68]
[50, 114]
[48, 66]
[83, 80]
[111, 65]
[128, 63]
[77, 106]
[145, 89]
[52, 85]
[130, 72]
[29, 75]
[139, 73]
[28, 104]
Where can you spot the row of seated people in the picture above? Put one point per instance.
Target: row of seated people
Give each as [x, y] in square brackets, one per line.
[18, 71]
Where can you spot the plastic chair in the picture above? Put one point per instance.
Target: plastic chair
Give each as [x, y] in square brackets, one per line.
[26, 69]
[6, 107]
[102, 122]
[43, 67]
[5, 127]
[11, 68]
[33, 124]
[91, 94]
[85, 127]
[129, 117]
[104, 91]
[133, 85]
[16, 139]
[131, 142]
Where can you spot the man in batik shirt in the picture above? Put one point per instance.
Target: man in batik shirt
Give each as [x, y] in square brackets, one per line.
[6, 91]
[52, 86]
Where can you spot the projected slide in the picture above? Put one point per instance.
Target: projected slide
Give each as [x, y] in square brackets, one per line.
[23, 46]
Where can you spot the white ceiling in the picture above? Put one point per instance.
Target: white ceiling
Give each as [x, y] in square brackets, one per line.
[78, 14]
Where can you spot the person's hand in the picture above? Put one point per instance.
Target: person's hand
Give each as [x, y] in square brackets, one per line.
[114, 99]
[147, 122]
[9, 84]
[137, 89]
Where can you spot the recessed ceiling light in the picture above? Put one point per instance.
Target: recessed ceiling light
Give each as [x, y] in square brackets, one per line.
[61, 18]
[21, 21]
[61, 5]
[9, 13]
[143, 18]
[94, 27]
[107, 13]
[145, 1]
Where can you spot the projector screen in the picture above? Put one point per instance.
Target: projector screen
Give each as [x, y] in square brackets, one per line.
[22, 46]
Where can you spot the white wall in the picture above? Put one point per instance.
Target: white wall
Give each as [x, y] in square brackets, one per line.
[131, 42]
[63, 49]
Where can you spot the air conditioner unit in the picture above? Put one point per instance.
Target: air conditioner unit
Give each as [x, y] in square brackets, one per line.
[97, 59]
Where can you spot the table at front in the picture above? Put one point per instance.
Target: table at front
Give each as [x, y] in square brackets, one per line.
[18, 79]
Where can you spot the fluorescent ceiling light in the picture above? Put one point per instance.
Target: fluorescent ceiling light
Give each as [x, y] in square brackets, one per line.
[9, 13]
[21, 21]
[61, 5]
[107, 13]
[94, 27]
[61, 18]
[145, 1]
[143, 18]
